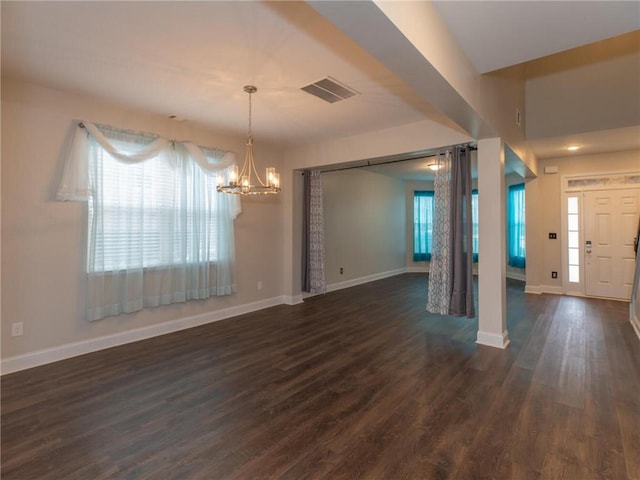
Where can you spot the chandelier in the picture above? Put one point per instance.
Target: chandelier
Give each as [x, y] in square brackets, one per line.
[243, 183]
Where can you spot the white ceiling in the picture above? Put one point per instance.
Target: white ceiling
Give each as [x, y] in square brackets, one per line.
[192, 59]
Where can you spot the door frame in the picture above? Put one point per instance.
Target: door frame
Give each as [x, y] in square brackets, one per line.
[576, 185]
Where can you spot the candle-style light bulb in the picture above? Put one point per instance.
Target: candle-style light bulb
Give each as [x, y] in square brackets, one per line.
[270, 173]
[233, 175]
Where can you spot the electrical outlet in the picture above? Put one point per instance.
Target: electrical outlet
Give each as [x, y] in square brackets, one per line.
[17, 329]
[341, 270]
[259, 284]
[554, 274]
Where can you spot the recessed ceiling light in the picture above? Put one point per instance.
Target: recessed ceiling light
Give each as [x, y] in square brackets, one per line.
[573, 147]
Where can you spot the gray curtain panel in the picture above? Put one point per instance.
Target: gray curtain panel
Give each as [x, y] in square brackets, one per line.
[461, 239]
[306, 209]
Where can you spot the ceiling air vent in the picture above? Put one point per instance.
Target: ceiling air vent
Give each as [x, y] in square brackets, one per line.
[329, 90]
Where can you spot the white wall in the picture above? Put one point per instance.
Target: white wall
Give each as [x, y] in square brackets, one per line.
[543, 203]
[365, 224]
[43, 240]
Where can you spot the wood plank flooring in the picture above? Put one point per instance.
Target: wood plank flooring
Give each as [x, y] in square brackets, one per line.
[360, 383]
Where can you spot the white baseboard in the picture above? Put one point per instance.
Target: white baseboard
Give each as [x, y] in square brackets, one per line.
[635, 321]
[552, 289]
[538, 289]
[292, 299]
[493, 339]
[360, 280]
[535, 289]
[417, 270]
[42, 357]
[516, 276]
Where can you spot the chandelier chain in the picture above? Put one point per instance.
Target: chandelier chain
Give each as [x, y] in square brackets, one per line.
[249, 132]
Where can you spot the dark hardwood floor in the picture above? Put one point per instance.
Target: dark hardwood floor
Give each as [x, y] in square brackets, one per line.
[358, 383]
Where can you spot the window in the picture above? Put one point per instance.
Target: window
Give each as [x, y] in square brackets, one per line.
[155, 213]
[516, 226]
[423, 225]
[158, 231]
[573, 242]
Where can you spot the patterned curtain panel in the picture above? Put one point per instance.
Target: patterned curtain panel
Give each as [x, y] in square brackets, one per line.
[313, 280]
[439, 291]
[450, 289]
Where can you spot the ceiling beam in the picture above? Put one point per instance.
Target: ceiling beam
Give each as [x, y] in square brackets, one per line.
[367, 25]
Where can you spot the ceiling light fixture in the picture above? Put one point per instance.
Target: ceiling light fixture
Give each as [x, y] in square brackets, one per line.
[573, 147]
[243, 184]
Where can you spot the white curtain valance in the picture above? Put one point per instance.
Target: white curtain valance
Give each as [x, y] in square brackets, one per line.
[75, 178]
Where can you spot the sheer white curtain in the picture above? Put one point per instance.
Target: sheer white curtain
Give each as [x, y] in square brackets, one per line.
[439, 291]
[158, 231]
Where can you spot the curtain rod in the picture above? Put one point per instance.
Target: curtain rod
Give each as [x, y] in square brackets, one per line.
[369, 164]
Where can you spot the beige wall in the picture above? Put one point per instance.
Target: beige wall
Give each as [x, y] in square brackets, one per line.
[365, 224]
[607, 73]
[415, 137]
[43, 240]
[544, 196]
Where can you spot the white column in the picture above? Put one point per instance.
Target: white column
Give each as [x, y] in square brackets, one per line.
[492, 303]
[291, 197]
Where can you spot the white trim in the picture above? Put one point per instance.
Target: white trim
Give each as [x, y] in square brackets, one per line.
[292, 299]
[417, 270]
[493, 339]
[552, 289]
[366, 279]
[534, 289]
[538, 289]
[635, 297]
[48, 355]
[635, 323]
[520, 276]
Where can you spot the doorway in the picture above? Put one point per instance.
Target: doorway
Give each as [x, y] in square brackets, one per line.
[610, 219]
[600, 218]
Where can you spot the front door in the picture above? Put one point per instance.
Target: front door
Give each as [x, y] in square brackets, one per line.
[610, 227]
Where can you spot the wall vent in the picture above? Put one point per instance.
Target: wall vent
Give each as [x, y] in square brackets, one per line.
[329, 90]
